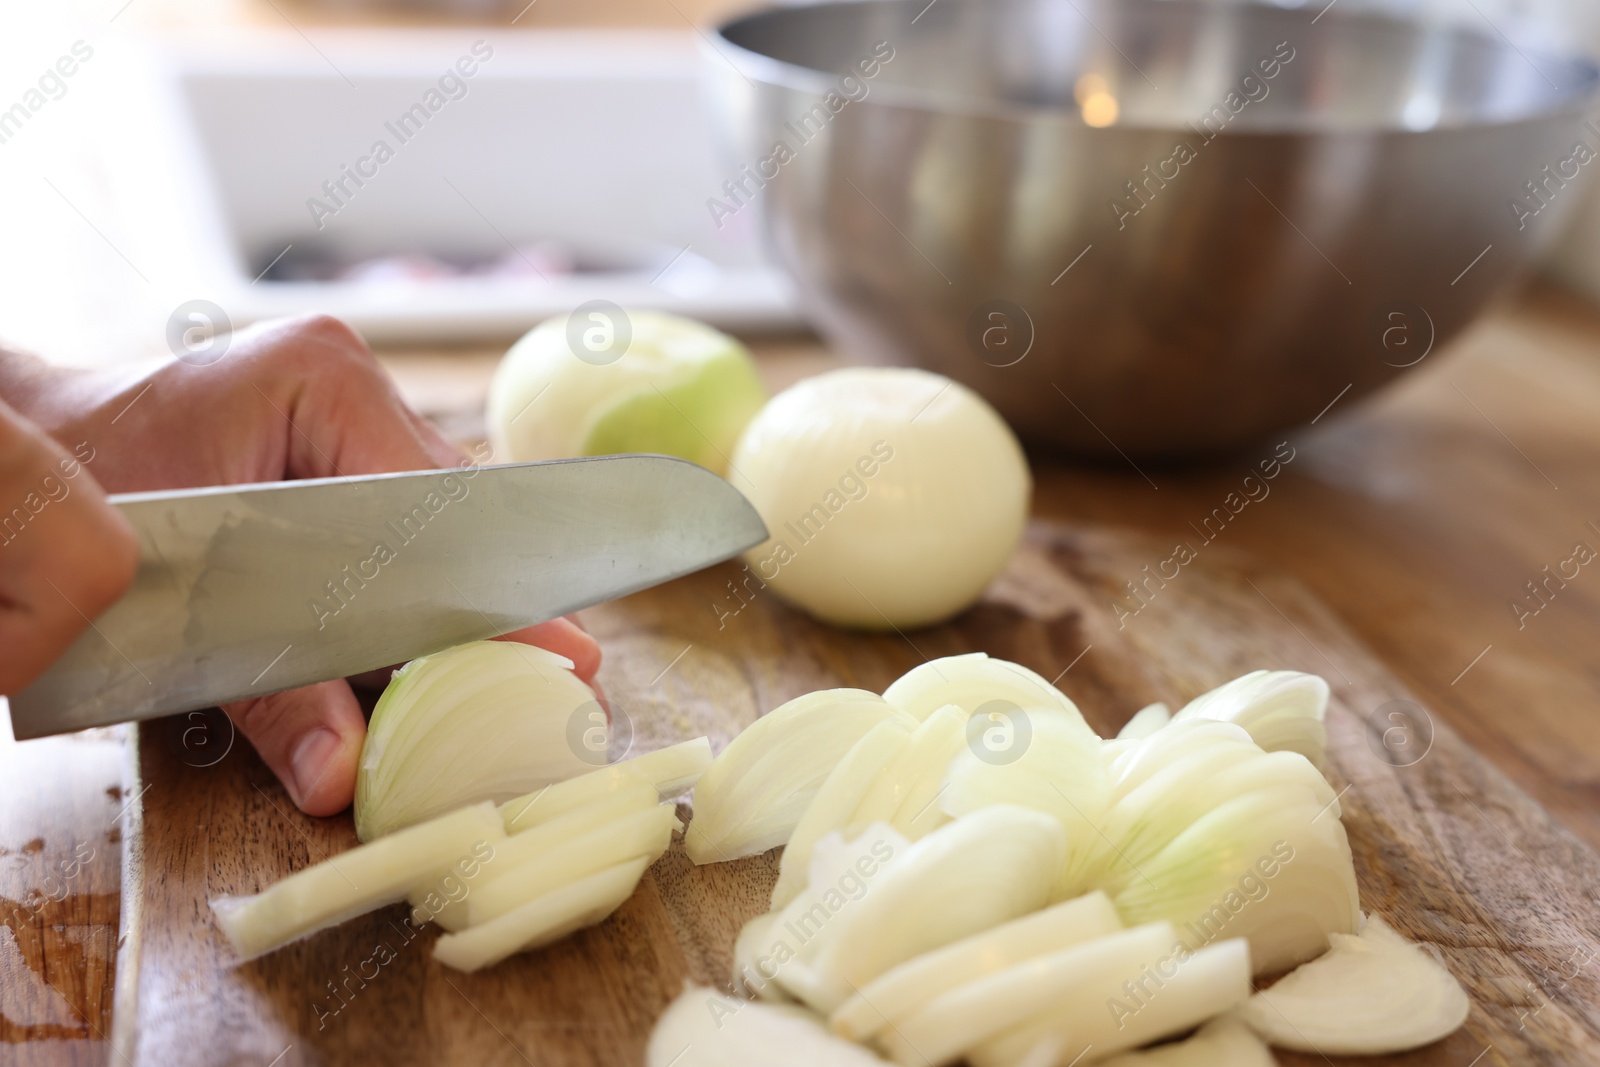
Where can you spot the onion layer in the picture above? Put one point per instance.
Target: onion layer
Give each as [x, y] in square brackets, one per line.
[756, 790]
[645, 833]
[1282, 710]
[902, 990]
[1373, 994]
[973, 682]
[836, 802]
[1146, 721]
[1169, 994]
[962, 879]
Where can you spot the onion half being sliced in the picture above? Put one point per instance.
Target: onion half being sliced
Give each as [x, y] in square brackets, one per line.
[482, 721]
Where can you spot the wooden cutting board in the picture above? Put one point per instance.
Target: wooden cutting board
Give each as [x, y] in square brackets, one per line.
[1446, 848]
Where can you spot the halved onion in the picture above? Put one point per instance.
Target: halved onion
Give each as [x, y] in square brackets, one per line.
[704, 1028]
[353, 883]
[966, 877]
[543, 919]
[1102, 1016]
[752, 796]
[1282, 710]
[1372, 994]
[486, 720]
[669, 771]
[903, 989]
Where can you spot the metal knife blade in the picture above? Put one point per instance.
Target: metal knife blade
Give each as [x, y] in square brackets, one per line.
[245, 590]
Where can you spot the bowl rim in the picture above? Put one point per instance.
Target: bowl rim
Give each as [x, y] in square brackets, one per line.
[767, 69]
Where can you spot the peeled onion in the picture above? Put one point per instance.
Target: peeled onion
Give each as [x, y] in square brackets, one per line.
[893, 496]
[639, 381]
[487, 720]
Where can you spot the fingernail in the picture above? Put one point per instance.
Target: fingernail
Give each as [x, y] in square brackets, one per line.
[310, 761]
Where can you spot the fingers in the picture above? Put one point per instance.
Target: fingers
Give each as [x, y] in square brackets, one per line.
[65, 554]
[564, 637]
[311, 738]
[345, 414]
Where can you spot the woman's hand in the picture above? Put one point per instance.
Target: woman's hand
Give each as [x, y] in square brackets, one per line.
[298, 398]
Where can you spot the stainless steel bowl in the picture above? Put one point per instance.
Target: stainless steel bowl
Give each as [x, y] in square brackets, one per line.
[1154, 227]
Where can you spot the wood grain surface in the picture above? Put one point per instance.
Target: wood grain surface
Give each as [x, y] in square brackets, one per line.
[1446, 847]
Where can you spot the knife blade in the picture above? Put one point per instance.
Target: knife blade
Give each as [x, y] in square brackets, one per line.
[252, 589]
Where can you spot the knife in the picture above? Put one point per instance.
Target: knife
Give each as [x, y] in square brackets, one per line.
[250, 589]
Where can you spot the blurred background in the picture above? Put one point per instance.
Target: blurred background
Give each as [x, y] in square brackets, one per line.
[180, 160]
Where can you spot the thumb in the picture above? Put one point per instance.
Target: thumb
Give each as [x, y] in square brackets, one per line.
[311, 738]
